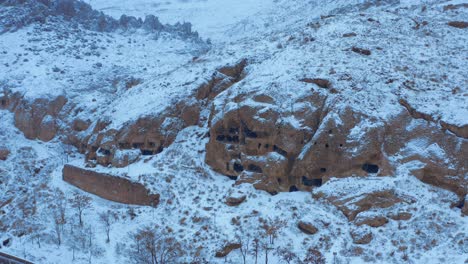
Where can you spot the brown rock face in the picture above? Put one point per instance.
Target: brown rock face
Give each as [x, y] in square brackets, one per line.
[37, 119]
[252, 144]
[221, 80]
[227, 249]
[148, 135]
[307, 228]
[109, 187]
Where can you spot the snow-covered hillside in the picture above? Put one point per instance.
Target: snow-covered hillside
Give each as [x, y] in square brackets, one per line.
[270, 131]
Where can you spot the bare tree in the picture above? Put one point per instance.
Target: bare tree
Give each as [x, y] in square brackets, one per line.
[266, 248]
[272, 227]
[286, 254]
[58, 207]
[244, 241]
[107, 218]
[255, 248]
[80, 203]
[154, 246]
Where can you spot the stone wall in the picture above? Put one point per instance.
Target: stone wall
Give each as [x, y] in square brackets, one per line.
[109, 187]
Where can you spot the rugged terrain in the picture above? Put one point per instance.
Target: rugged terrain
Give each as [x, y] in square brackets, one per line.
[331, 131]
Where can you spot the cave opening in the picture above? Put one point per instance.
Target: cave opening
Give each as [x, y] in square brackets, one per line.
[146, 152]
[293, 188]
[370, 168]
[323, 170]
[311, 182]
[249, 133]
[234, 178]
[280, 151]
[254, 168]
[460, 204]
[238, 167]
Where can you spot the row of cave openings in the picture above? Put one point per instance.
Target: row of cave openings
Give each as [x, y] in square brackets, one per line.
[152, 150]
[232, 137]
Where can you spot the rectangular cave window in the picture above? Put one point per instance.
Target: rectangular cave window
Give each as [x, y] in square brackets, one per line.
[311, 182]
[249, 133]
[280, 151]
[137, 145]
[234, 130]
[146, 152]
[370, 168]
[220, 138]
[254, 168]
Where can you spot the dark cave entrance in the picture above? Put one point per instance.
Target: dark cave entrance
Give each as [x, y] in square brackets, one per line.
[370, 168]
[311, 182]
[293, 188]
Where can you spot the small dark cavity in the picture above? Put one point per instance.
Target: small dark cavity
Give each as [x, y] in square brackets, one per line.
[311, 182]
[370, 168]
[293, 188]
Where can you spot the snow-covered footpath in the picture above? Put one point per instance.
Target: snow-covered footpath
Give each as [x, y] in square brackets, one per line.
[183, 97]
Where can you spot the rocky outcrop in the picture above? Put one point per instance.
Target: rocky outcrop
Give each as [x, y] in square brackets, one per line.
[222, 79]
[109, 187]
[251, 142]
[17, 14]
[38, 119]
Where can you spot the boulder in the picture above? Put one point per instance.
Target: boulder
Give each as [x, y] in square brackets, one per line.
[307, 228]
[458, 24]
[235, 201]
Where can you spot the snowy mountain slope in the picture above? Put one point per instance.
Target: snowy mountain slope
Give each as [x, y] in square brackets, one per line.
[141, 88]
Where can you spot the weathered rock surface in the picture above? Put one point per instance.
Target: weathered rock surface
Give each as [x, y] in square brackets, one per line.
[109, 187]
[37, 119]
[253, 144]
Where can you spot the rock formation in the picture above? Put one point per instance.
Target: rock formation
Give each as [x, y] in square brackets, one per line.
[109, 187]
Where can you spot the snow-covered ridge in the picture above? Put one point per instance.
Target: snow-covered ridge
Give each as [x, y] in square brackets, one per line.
[16, 14]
